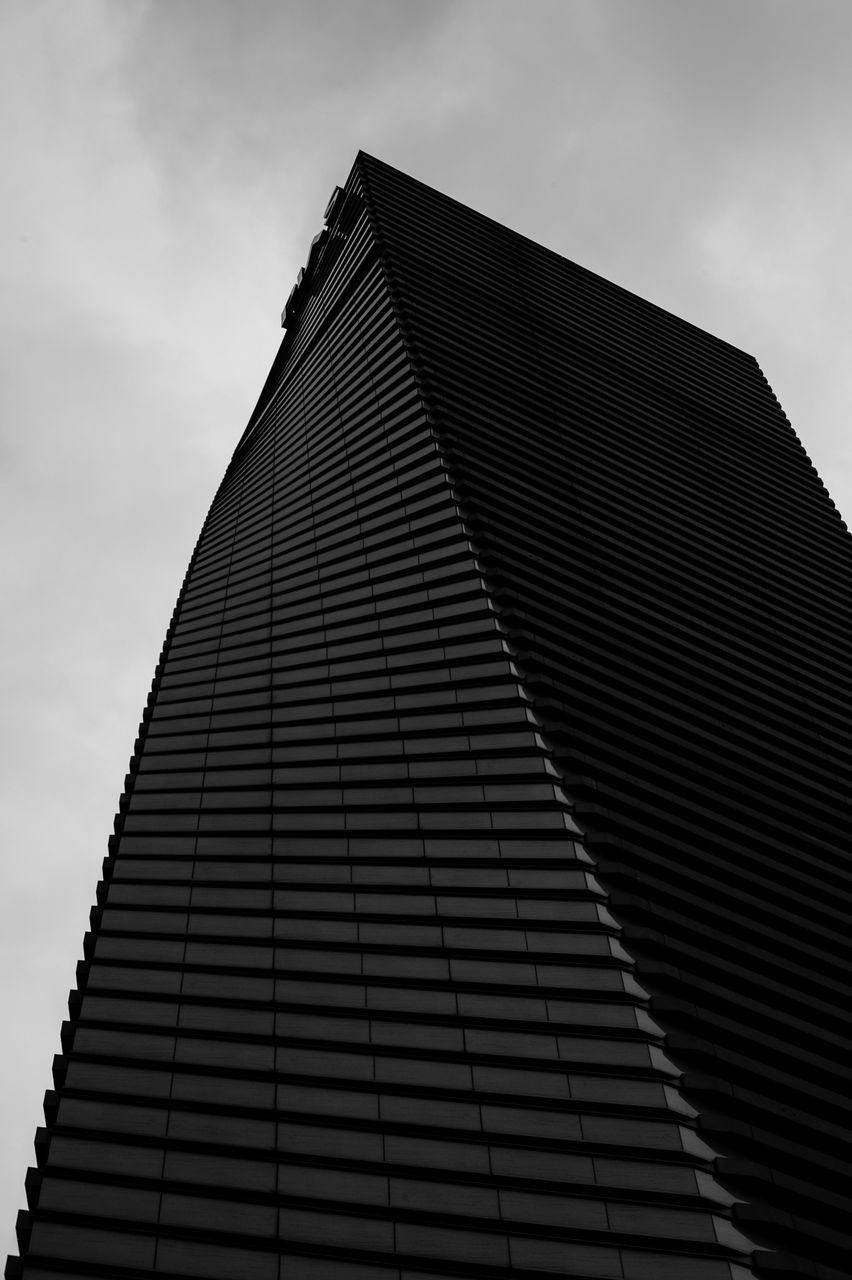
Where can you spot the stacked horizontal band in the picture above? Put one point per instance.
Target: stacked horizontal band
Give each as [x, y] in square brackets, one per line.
[353, 1002]
[673, 580]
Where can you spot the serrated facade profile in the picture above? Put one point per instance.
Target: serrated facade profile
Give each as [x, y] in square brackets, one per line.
[478, 902]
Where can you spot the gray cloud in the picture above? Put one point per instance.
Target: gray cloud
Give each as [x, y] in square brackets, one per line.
[165, 164]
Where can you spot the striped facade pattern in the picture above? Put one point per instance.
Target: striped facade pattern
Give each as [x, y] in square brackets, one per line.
[449, 729]
[675, 583]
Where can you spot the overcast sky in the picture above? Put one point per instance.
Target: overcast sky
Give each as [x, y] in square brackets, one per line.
[164, 166]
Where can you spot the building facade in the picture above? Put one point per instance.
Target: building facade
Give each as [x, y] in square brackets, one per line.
[478, 903]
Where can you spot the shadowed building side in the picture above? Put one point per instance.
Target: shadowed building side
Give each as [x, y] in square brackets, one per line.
[675, 581]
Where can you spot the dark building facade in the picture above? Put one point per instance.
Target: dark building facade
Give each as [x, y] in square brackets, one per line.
[478, 900]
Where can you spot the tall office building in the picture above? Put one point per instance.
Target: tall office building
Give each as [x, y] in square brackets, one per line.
[476, 903]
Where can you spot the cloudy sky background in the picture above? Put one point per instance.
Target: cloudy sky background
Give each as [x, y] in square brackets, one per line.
[164, 166]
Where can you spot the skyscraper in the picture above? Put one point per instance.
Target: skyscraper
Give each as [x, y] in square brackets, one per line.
[476, 903]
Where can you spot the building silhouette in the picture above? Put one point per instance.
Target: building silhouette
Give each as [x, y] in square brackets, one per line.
[478, 900]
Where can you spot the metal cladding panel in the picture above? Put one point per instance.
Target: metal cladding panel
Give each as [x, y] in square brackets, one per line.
[354, 1005]
[675, 584]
